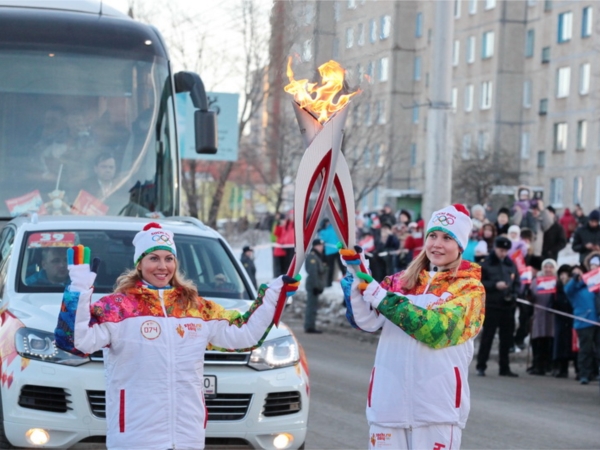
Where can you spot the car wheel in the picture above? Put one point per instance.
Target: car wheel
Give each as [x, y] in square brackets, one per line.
[3, 440]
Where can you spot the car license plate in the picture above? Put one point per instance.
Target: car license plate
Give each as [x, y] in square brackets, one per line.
[210, 386]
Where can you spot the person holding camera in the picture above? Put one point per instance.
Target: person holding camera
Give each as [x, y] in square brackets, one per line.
[315, 283]
[500, 279]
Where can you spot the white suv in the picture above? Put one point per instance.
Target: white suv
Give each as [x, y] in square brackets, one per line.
[54, 399]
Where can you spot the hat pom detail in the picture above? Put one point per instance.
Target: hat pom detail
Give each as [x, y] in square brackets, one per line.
[461, 208]
[151, 225]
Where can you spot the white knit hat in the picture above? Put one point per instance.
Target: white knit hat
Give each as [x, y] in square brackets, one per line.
[453, 220]
[152, 238]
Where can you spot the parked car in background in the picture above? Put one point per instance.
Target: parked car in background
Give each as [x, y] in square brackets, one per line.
[54, 399]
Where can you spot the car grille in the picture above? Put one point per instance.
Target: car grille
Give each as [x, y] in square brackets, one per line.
[223, 407]
[210, 358]
[44, 398]
[282, 403]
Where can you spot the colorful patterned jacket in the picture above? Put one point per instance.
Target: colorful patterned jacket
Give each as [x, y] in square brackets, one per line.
[425, 348]
[154, 357]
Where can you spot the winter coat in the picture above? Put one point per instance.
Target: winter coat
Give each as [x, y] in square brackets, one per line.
[543, 321]
[330, 239]
[426, 345]
[154, 357]
[583, 302]
[537, 225]
[583, 235]
[563, 325]
[554, 241]
[568, 222]
[316, 271]
[250, 267]
[284, 238]
[492, 271]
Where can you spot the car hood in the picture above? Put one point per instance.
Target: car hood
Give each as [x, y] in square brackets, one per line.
[40, 311]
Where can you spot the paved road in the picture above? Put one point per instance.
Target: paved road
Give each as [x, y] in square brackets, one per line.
[528, 412]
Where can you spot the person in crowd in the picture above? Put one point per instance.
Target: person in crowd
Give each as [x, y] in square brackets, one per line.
[331, 256]
[414, 242]
[525, 310]
[580, 216]
[538, 220]
[283, 251]
[555, 238]
[54, 271]
[562, 351]
[105, 171]
[586, 238]
[247, 260]
[469, 253]
[386, 248]
[478, 216]
[154, 330]
[401, 260]
[543, 293]
[516, 243]
[387, 215]
[486, 243]
[429, 316]
[569, 223]
[583, 303]
[404, 217]
[501, 281]
[315, 284]
[502, 221]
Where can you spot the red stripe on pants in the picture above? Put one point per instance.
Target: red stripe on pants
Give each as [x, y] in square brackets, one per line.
[122, 412]
[458, 387]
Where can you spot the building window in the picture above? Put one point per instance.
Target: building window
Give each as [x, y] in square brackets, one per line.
[454, 99]
[547, 5]
[370, 73]
[482, 143]
[487, 45]
[472, 7]
[527, 88]
[336, 48]
[541, 159]
[373, 31]
[367, 157]
[379, 156]
[386, 26]
[351, 4]
[471, 50]
[490, 4]
[469, 98]
[563, 82]
[577, 190]
[561, 131]
[456, 9]
[581, 135]
[336, 11]
[367, 120]
[349, 37]
[307, 50]
[546, 55]
[565, 27]
[419, 25]
[466, 146]
[413, 155]
[360, 40]
[383, 69]
[415, 113]
[543, 107]
[380, 112]
[486, 95]
[417, 69]
[597, 202]
[586, 22]
[556, 192]
[455, 52]
[529, 44]
[584, 79]
[531, 2]
[525, 151]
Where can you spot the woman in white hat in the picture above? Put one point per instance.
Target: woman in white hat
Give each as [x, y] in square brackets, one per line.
[154, 331]
[429, 316]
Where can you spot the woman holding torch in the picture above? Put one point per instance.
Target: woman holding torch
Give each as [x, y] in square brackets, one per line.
[429, 316]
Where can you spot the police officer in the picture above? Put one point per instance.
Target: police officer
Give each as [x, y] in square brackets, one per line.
[500, 278]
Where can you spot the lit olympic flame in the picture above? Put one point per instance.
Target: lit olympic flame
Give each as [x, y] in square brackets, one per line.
[322, 101]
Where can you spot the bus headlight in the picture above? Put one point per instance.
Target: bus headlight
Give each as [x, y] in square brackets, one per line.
[276, 353]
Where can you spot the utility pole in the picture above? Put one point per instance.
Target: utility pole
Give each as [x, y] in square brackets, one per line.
[438, 157]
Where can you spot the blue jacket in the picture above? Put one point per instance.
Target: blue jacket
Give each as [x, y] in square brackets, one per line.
[330, 239]
[582, 301]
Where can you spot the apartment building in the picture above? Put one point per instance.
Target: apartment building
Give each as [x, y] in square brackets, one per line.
[523, 79]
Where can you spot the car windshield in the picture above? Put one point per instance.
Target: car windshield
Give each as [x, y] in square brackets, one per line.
[204, 261]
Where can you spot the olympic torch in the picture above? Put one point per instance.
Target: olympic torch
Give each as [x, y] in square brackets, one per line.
[321, 112]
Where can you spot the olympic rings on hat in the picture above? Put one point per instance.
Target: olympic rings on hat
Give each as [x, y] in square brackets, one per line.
[162, 237]
[444, 220]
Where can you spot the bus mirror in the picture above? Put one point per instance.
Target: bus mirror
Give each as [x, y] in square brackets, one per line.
[205, 124]
[205, 121]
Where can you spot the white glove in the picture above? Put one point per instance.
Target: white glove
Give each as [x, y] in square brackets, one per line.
[82, 278]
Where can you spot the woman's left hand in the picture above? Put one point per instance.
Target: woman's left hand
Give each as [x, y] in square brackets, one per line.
[370, 289]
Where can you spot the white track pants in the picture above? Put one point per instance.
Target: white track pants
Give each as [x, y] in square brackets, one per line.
[433, 437]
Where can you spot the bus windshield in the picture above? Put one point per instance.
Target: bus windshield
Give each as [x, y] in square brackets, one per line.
[85, 132]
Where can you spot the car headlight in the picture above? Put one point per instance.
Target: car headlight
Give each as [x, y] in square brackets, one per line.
[281, 352]
[39, 345]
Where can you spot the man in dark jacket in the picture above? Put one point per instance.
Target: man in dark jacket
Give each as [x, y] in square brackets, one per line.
[315, 283]
[586, 238]
[555, 238]
[247, 260]
[500, 279]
